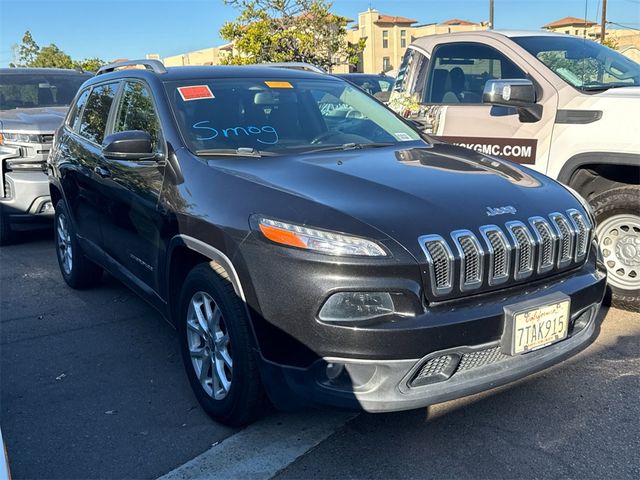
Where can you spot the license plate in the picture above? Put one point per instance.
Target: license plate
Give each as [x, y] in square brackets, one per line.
[538, 327]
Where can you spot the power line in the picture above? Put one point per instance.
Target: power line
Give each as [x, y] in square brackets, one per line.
[624, 26]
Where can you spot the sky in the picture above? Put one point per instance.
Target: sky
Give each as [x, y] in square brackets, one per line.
[111, 29]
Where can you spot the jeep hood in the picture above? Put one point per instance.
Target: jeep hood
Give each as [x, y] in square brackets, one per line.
[41, 120]
[412, 192]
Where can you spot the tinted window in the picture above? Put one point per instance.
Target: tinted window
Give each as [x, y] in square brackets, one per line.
[137, 111]
[281, 116]
[402, 71]
[461, 70]
[74, 116]
[583, 64]
[38, 90]
[96, 112]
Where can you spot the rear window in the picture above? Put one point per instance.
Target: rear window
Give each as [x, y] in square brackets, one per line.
[38, 90]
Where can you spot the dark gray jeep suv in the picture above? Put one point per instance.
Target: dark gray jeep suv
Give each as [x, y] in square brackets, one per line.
[33, 103]
[311, 247]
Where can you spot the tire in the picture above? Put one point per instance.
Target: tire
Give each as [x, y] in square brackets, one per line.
[77, 270]
[233, 354]
[617, 213]
[6, 234]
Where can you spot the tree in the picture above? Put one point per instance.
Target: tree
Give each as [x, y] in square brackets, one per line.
[52, 56]
[29, 54]
[26, 52]
[289, 31]
[89, 64]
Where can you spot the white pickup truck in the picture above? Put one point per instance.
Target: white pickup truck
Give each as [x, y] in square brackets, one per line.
[566, 106]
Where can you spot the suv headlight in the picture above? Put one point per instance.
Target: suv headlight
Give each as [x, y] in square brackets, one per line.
[321, 241]
[20, 138]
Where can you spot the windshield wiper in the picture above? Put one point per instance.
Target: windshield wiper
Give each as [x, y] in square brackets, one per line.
[348, 146]
[603, 87]
[235, 152]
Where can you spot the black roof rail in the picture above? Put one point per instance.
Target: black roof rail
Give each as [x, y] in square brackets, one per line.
[155, 65]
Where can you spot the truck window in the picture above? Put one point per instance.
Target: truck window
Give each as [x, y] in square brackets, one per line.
[96, 112]
[460, 71]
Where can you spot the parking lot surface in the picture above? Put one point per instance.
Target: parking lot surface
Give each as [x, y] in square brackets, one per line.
[92, 386]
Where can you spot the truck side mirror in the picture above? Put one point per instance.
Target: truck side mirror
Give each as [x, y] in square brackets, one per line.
[514, 92]
[128, 145]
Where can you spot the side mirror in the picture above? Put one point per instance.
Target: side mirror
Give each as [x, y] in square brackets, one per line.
[514, 92]
[128, 145]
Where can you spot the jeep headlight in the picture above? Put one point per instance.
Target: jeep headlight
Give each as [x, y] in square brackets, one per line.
[317, 240]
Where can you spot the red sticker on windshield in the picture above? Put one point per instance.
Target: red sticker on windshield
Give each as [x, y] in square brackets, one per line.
[195, 92]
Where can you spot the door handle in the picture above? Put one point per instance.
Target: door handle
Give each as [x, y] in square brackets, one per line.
[102, 172]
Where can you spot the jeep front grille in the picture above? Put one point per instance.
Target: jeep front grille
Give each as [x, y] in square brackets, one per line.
[500, 254]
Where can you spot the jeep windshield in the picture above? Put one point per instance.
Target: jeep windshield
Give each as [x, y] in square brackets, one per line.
[585, 65]
[296, 115]
[32, 90]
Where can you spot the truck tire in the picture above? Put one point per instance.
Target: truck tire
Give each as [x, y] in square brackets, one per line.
[617, 213]
[77, 270]
[6, 234]
[218, 348]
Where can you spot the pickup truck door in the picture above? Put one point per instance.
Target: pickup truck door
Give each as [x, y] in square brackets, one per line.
[449, 83]
[131, 231]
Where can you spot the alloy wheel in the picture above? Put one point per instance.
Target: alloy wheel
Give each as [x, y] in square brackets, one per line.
[209, 345]
[65, 250]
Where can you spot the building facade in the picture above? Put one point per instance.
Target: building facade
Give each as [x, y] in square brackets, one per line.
[387, 38]
[627, 41]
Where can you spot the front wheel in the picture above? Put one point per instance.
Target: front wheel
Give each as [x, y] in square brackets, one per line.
[218, 349]
[617, 213]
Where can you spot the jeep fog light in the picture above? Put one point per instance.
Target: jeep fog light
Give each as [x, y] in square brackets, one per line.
[354, 306]
[47, 208]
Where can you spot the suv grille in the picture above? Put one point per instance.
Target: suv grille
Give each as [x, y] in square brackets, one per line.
[515, 251]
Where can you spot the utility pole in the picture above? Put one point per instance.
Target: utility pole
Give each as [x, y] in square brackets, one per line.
[491, 14]
[603, 21]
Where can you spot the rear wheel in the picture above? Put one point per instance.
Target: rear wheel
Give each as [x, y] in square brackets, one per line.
[218, 348]
[77, 270]
[617, 213]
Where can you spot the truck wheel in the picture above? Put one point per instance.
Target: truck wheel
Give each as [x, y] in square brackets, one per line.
[218, 348]
[77, 270]
[6, 234]
[617, 213]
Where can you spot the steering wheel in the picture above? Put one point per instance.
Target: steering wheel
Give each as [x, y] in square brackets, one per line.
[324, 135]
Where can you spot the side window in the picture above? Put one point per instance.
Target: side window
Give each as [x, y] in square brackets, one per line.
[460, 71]
[73, 119]
[136, 112]
[96, 112]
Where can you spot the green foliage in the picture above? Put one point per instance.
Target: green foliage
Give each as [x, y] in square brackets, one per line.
[289, 31]
[89, 64]
[610, 42]
[29, 54]
[52, 56]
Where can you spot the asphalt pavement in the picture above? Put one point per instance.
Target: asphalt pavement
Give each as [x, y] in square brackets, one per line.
[92, 386]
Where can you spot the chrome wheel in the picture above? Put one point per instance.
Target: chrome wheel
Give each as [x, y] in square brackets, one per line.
[619, 238]
[65, 251]
[209, 345]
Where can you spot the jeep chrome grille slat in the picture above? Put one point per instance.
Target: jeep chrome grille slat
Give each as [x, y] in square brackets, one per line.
[471, 259]
[440, 263]
[512, 252]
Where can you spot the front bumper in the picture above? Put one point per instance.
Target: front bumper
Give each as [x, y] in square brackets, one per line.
[28, 197]
[380, 361]
[387, 386]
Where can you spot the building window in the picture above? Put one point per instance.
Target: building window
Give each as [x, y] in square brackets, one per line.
[385, 39]
[386, 64]
[403, 38]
